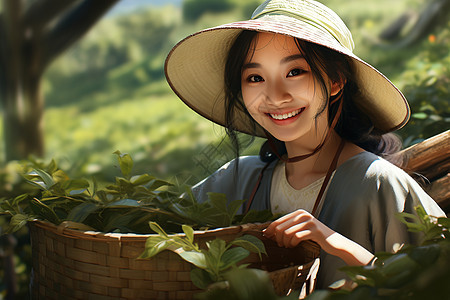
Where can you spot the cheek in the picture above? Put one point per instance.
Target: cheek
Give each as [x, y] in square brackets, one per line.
[251, 99]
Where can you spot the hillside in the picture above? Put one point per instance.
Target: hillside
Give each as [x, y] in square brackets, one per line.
[109, 91]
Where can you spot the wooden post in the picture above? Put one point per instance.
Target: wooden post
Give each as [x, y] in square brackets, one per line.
[431, 159]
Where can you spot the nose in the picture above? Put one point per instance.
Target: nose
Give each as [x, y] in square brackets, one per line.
[278, 93]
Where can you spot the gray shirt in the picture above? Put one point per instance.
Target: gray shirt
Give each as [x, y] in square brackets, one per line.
[362, 200]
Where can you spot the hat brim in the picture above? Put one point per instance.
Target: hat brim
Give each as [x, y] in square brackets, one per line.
[194, 70]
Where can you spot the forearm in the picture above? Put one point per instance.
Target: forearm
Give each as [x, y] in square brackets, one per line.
[349, 251]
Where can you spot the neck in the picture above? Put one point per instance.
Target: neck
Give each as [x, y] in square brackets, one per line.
[313, 167]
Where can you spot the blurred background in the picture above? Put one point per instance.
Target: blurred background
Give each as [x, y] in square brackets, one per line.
[79, 80]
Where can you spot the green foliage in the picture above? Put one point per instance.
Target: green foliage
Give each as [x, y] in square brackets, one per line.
[420, 71]
[243, 284]
[123, 206]
[194, 9]
[126, 205]
[414, 272]
[210, 264]
[428, 88]
[134, 42]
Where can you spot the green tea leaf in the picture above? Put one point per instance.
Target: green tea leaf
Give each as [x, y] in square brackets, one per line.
[125, 163]
[189, 232]
[179, 210]
[141, 179]
[415, 225]
[156, 183]
[233, 207]
[46, 178]
[39, 184]
[196, 258]
[59, 176]
[251, 243]
[154, 245]
[156, 228]
[191, 197]
[252, 284]
[200, 278]
[43, 211]
[421, 212]
[233, 256]
[216, 248]
[425, 255]
[219, 201]
[17, 222]
[124, 202]
[82, 211]
[7, 207]
[18, 200]
[75, 185]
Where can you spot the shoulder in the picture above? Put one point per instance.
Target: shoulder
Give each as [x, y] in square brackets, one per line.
[241, 167]
[236, 178]
[367, 178]
[372, 168]
[375, 181]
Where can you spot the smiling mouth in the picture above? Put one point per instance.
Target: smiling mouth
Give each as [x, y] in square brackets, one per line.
[288, 115]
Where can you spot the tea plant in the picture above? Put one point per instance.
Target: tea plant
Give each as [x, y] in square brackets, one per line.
[414, 272]
[210, 264]
[126, 205]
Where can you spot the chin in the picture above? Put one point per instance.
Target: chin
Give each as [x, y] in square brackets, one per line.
[286, 137]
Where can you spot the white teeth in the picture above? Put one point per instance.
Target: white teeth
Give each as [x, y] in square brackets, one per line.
[285, 116]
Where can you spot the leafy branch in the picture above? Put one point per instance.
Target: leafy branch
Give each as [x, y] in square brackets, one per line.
[210, 264]
[413, 272]
[126, 205]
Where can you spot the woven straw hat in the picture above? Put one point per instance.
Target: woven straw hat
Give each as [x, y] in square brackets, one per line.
[195, 66]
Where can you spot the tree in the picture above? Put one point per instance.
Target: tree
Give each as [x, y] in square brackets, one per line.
[32, 34]
[435, 13]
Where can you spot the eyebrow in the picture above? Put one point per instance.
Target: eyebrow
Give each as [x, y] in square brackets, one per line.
[283, 61]
[292, 57]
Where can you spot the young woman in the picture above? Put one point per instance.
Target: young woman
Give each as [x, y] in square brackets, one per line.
[289, 75]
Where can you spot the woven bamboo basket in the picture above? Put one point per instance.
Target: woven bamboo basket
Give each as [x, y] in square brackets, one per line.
[75, 264]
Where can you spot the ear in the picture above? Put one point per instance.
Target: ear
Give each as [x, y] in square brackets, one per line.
[337, 86]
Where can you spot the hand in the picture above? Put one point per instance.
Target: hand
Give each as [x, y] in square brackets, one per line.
[291, 229]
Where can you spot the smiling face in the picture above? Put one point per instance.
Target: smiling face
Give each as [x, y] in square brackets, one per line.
[280, 91]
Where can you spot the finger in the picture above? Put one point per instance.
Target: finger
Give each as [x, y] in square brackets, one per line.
[300, 237]
[286, 231]
[284, 218]
[293, 233]
[295, 213]
[276, 229]
[293, 221]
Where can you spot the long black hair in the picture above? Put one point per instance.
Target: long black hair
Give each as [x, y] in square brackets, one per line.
[353, 125]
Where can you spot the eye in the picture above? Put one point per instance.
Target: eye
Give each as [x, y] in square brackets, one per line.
[295, 72]
[255, 78]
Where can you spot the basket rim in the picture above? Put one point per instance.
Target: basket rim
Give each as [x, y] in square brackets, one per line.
[67, 229]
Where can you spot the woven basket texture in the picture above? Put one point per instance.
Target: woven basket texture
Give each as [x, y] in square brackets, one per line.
[74, 264]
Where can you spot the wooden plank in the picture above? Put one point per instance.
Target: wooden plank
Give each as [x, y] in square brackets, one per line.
[428, 153]
[431, 158]
[440, 192]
